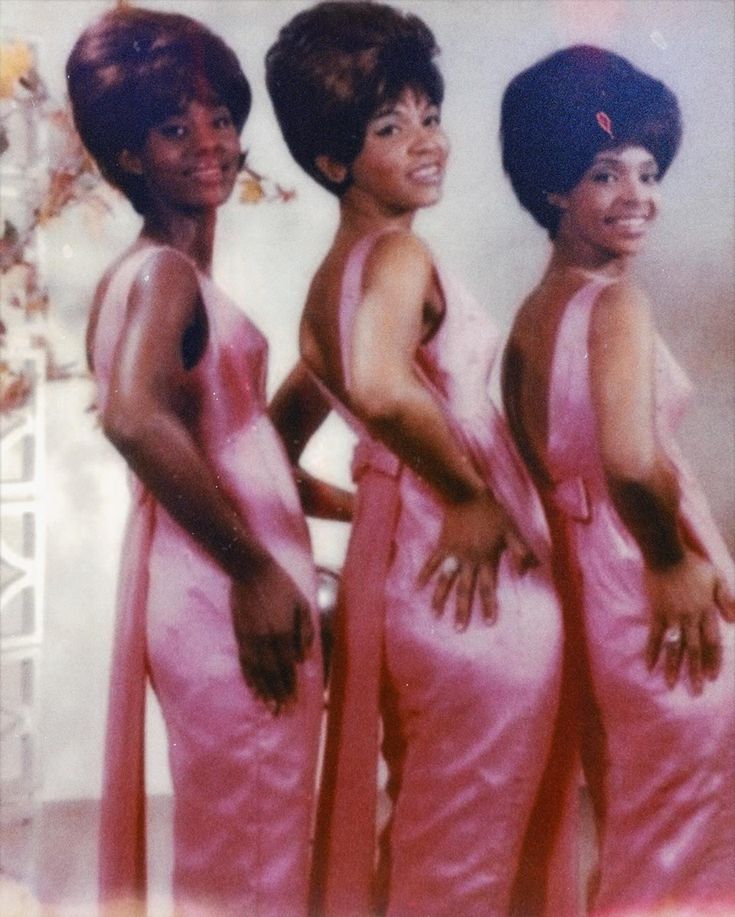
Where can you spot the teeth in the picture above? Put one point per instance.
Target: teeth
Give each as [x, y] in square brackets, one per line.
[631, 222]
[207, 172]
[427, 173]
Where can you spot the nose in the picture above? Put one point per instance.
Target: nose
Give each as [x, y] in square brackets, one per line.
[634, 190]
[204, 134]
[429, 137]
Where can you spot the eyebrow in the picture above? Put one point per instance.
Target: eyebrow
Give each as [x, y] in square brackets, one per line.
[389, 108]
[392, 108]
[614, 161]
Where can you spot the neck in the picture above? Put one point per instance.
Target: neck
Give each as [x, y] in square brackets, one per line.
[361, 215]
[192, 234]
[570, 256]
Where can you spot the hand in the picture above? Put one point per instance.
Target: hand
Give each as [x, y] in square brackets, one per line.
[273, 630]
[473, 537]
[686, 601]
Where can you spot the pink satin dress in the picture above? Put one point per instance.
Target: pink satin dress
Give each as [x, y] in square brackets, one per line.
[467, 717]
[660, 763]
[244, 780]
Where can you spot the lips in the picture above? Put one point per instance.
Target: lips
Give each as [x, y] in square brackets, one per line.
[429, 174]
[208, 172]
[631, 223]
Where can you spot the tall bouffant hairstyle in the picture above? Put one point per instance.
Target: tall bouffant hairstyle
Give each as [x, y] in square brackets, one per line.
[334, 65]
[134, 68]
[557, 115]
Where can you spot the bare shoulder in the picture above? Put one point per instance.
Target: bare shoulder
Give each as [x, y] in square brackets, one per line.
[622, 311]
[166, 272]
[398, 255]
[622, 300]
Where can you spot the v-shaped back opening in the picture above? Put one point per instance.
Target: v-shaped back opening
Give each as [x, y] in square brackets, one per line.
[569, 374]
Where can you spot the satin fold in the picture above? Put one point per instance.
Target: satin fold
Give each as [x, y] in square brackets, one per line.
[244, 780]
[659, 762]
[466, 718]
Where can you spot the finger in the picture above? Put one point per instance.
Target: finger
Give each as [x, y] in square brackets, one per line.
[283, 672]
[711, 644]
[463, 596]
[430, 567]
[258, 665]
[265, 671]
[673, 656]
[303, 631]
[487, 586]
[522, 556]
[653, 646]
[725, 600]
[693, 645]
[441, 591]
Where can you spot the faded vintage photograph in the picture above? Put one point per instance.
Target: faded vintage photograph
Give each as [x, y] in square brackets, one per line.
[367, 411]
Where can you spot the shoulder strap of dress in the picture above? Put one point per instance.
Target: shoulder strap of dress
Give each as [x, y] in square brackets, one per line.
[351, 293]
[127, 269]
[571, 353]
[119, 285]
[571, 418]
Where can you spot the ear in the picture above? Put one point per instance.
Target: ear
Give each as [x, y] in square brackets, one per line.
[333, 171]
[130, 162]
[557, 200]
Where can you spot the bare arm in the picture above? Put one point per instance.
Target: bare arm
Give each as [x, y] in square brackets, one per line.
[150, 398]
[386, 391]
[684, 589]
[397, 407]
[297, 410]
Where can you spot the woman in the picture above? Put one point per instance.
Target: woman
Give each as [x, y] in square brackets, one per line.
[216, 600]
[593, 396]
[395, 345]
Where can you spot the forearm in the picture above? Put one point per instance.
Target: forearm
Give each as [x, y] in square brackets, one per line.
[649, 509]
[323, 500]
[414, 426]
[162, 454]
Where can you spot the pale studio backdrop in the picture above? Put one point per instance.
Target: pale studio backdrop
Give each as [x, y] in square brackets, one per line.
[266, 254]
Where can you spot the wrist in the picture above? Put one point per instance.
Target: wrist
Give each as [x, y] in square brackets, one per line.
[666, 557]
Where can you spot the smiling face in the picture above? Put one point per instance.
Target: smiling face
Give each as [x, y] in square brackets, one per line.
[609, 211]
[191, 159]
[400, 167]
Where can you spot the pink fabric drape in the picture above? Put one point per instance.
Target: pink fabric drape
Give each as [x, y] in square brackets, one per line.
[344, 855]
[122, 865]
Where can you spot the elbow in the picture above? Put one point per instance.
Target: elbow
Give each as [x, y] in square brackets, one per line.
[125, 429]
[634, 462]
[656, 476]
[378, 402]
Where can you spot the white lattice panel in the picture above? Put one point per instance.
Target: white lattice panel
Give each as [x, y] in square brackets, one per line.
[21, 588]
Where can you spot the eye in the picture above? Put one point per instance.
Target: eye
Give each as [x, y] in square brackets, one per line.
[387, 130]
[650, 178]
[223, 120]
[603, 178]
[433, 119]
[172, 130]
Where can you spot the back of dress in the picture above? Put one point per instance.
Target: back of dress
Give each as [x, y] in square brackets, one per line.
[467, 714]
[660, 762]
[243, 779]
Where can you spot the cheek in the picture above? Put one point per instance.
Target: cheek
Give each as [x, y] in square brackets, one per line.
[233, 143]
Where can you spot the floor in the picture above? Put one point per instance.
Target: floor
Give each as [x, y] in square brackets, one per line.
[48, 864]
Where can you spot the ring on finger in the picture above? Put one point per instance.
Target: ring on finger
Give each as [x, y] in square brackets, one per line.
[673, 637]
[449, 565]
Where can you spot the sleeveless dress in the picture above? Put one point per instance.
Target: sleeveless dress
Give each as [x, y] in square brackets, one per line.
[244, 780]
[467, 717]
[660, 763]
